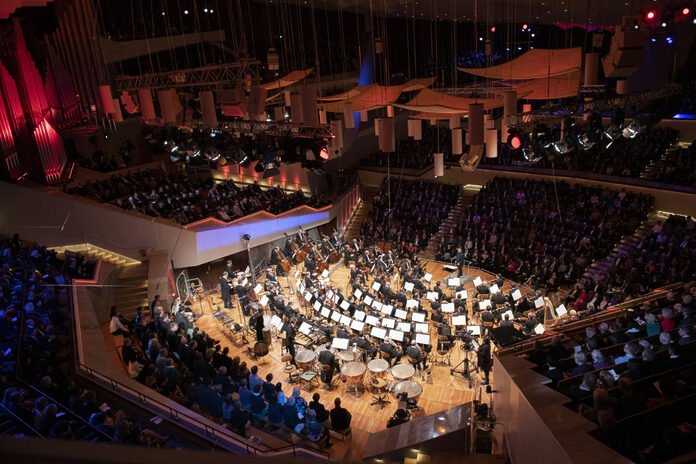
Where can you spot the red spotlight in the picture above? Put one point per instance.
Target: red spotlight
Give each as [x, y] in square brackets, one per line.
[650, 15]
[493, 28]
[324, 153]
[515, 142]
[524, 26]
[686, 11]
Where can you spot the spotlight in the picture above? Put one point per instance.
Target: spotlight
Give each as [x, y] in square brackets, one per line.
[324, 153]
[515, 142]
[633, 129]
[669, 40]
[610, 135]
[525, 27]
[650, 15]
[686, 11]
[663, 24]
[561, 147]
[530, 155]
[185, 12]
[493, 28]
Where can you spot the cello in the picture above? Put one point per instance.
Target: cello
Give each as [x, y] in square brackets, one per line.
[284, 263]
[298, 253]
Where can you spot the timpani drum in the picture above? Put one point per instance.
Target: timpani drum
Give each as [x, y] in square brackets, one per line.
[267, 336]
[378, 367]
[304, 359]
[412, 389]
[353, 372]
[402, 372]
[346, 355]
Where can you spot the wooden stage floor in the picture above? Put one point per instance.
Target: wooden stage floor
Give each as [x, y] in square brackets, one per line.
[445, 391]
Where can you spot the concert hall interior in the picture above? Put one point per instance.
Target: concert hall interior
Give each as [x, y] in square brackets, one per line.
[379, 231]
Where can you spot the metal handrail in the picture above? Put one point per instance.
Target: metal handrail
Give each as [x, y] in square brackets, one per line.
[33, 430]
[178, 416]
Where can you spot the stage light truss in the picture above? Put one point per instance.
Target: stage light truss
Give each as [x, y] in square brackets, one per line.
[551, 114]
[278, 129]
[228, 73]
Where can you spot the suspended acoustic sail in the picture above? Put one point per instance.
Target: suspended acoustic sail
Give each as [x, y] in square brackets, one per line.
[534, 64]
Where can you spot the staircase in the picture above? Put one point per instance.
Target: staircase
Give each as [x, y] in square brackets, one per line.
[455, 217]
[652, 170]
[95, 253]
[131, 291]
[353, 230]
[626, 244]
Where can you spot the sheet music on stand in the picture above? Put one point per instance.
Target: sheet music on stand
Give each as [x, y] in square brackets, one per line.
[388, 323]
[244, 282]
[422, 328]
[277, 322]
[462, 295]
[372, 320]
[377, 305]
[305, 328]
[317, 305]
[297, 273]
[474, 329]
[418, 317]
[539, 302]
[357, 293]
[386, 309]
[326, 312]
[448, 307]
[378, 332]
[516, 294]
[359, 315]
[454, 282]
[484, 304]
[339, 343]
[345, 304]
[396, 335]
[336, 316]
[400, 313]
[494, 288]
[459, 320]
[411, 304]
[357, 325]
[308, 296]
[509, 314]
[345, 320]
[298, 282]
[422, 339]
[477, 281]
[330, 294]
[325, 274]
[539, 329]
[376, 286]
[561, 310]
[258, 288]
[428, 277]
[408, 286]
[263, 301]
[368, 300]
[403, 326]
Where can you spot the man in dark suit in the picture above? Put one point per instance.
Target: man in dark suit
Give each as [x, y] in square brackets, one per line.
[289, 330]
[326, 358]
[413, 352]
[225, 291]
[363, 344]
[485, 362]
[394, 354]
[459, 260]
[228, 268]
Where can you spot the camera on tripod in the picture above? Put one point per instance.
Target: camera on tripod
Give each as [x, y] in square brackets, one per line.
[466, 339]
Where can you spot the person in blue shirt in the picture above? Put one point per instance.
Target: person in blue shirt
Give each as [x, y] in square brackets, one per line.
[300, 403]
[279, 394]
[290, 413]
[254, 378]
[245, 395]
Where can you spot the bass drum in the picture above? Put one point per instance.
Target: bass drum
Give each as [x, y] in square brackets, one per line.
[260, 349]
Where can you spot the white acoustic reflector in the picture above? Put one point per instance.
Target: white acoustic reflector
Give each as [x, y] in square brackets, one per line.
[310, 113]
[337, 131]
[415, 129]
[363, 116]
[286, 98]
[296, 108]
[591, 67]
[476, 124]
[621, 87]
[457, 147]
[118, 116]
[491, 143]
[439, 164]
[322, 117]
[378, 126]
[455, 122]
[387, 142]
[257, 103]
[526, 108]
[390, 111]
[167, 105]
[147, 108]
[348, 115]
[208, 112]
[107, 100]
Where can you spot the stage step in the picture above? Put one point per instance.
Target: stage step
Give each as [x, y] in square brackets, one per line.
[363, 212]
[132, 290]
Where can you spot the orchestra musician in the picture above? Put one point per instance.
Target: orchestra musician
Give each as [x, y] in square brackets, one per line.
[415, 353]
[394, 351]
[327, 358]
[256, 322]
[459, 260]
[289, 329]
[225, 290]
[309, 262]
[228, 268]
[275, 259]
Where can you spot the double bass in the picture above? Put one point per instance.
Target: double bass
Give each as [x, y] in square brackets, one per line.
[322, 263]
[284, 263]
[298, 253]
